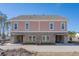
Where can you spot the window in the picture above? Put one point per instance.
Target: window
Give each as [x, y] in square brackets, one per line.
[45, 38]
[32, 38]
[51, 26]
[15, 26]
[62, 25]
[26, 25]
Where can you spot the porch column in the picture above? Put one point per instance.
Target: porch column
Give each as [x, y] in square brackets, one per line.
[38, 38]
[12, 39]
[24, 39]
[65, 38]
[52, 38]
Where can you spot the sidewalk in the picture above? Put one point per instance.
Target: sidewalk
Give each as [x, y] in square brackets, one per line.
[42, 48]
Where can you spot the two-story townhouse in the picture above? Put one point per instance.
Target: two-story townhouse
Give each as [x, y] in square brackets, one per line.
[39, 29]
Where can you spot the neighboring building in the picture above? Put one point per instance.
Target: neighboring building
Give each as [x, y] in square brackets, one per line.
[77, 35]
[39, 29]
[76, 38]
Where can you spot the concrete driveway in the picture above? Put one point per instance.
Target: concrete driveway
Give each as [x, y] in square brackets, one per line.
[50, 48]
[43, 48]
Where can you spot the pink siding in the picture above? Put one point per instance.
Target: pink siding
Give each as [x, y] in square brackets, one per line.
[34, 25]
[44, 26]
[21, 26]
[57, 25]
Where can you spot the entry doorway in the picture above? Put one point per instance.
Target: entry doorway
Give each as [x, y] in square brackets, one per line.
[19, 39]
[59, 39]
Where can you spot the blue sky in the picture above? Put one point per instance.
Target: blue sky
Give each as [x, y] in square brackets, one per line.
[70, 11]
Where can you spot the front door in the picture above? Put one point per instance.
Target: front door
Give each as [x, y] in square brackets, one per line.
[59, 39]
[19, 38]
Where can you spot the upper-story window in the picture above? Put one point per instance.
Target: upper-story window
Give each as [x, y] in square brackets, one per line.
[27, 25]
[62, 25]
[51, 25]
[15, 25]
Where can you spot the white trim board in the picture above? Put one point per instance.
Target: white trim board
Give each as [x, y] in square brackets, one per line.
[35, 20]
[39, 31]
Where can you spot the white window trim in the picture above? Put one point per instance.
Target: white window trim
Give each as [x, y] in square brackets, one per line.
[29, 37]
[61, 25]
[43, 39]
[32, 37]
[40, 31]
[46, 40]
[14, 25]
[28, 25]
[49, 25]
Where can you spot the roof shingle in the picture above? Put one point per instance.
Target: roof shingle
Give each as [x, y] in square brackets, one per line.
[38, 17]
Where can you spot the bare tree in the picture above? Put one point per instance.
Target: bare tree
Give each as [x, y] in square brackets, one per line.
[3, 19]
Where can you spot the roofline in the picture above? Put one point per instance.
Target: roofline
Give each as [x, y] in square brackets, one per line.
[35, 20]
[37, 15]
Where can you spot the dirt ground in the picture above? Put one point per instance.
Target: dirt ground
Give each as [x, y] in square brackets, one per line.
[57, 54]
[16, 52]
[39, 50]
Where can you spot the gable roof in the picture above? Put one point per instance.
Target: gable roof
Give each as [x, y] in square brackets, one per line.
[38, 17]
